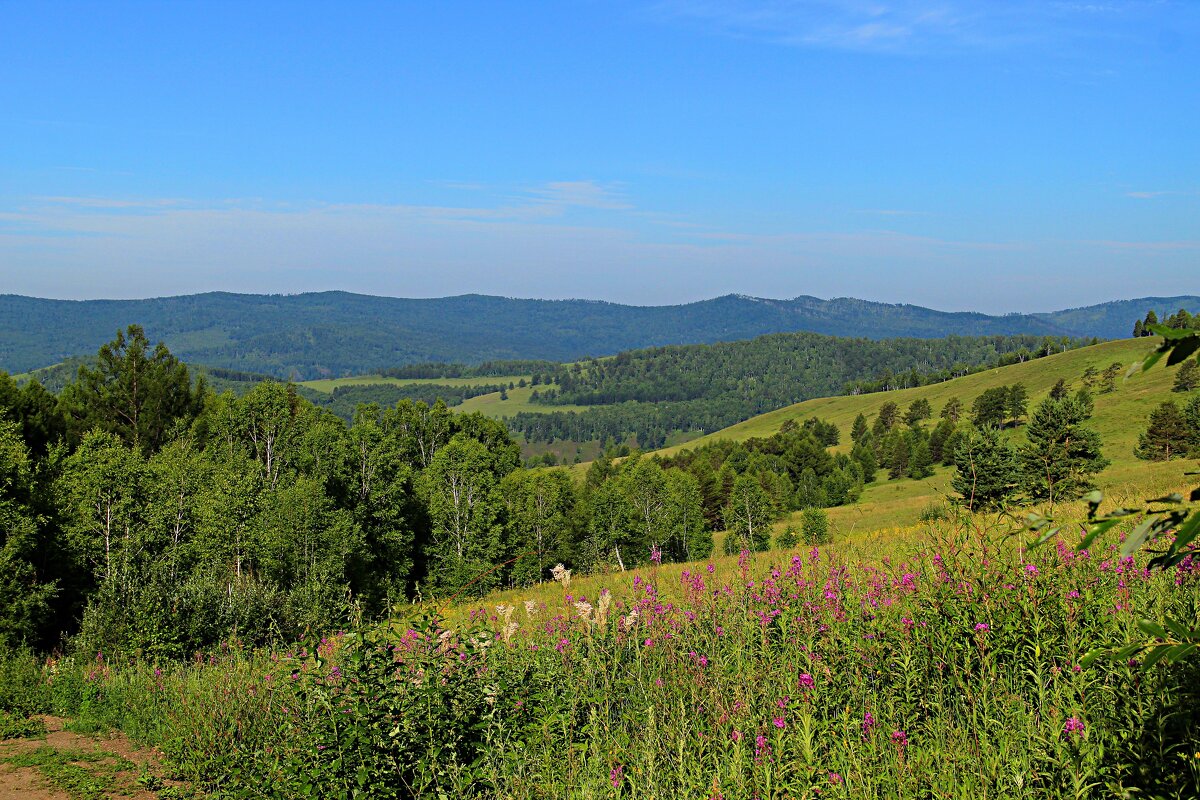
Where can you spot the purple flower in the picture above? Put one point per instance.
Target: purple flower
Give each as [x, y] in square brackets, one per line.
[900, 739]
[615, 775]
[1073, 725]
[868, 724]
[982, 626]
[806, 681]
[835, 779]
[655, 555]
[780, 722]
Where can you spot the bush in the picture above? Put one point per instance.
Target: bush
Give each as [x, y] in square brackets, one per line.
[789, 538]
[23, 690]
[815, 524]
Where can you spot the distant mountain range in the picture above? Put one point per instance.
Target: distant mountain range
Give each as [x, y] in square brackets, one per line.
[338, 333]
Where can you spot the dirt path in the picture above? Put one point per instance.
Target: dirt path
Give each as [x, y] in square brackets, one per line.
[63, 765]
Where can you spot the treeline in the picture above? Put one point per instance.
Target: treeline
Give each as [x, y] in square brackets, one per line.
[344, 400]
[1181, 320]
[487, 369]
[139, 509]
[654, 393]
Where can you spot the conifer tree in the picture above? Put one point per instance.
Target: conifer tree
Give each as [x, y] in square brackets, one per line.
[1188, 376]
[952, 410]
[986, 471]
[1061, 454]
[859, 429]
[1167, 435]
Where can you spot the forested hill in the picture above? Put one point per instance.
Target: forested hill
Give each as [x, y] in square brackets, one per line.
[337, 333]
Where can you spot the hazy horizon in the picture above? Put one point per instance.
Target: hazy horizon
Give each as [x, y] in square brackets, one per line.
[1019, 156]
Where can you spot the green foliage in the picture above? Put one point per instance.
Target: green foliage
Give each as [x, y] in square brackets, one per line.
[1168, 434]
[134, 392]
[1188, 376]
[986, 470]
[814, 522]
[650, 394]
[1062, 454]
[966, 668]
[748, 516]
[788, 539]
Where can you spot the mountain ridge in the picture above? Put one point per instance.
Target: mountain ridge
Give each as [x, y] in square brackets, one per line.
[334, 333]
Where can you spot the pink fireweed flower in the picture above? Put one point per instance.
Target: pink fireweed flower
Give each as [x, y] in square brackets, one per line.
[614, 776]
[655, 555]
[900, 739]
[868, 724]
[1031, 569]
[780, 722]
[711, 569]
[982, 627]
[1073, 725]
[806, 681]
[835, 779]
[736, 735]
[761, 748]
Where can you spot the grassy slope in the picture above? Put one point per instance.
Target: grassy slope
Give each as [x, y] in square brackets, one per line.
[488, 404]
[889, 511]
[1119, 418]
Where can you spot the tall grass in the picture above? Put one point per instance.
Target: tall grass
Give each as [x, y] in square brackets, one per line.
[939, 662]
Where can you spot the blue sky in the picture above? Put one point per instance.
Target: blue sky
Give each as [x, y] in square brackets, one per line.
[989, 155]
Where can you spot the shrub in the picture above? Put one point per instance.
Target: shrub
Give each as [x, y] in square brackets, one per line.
[815, 524]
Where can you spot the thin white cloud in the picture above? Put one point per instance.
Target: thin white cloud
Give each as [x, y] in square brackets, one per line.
[581, 194]
[1159, 193]
[902, 26]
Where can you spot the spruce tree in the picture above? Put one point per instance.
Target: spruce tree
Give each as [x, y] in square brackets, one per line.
[1167, 435]
[859, 429]
[1061, 455]
[986, 472]
[920, 463]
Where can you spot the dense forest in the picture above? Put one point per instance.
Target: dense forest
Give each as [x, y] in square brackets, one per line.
[651, 394]
[334, 334]
[143, 510]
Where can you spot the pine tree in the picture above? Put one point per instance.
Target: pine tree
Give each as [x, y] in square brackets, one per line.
[859, 429]
[918, 410]
[1188, 376]
[1167, 435]
[986, 470]
[1061, 454]
[1108, 378]
[1138, 330]
[952, 410]
[1018, 401]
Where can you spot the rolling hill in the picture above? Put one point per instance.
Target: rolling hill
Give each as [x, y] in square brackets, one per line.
[332, 334]
[1119, 418]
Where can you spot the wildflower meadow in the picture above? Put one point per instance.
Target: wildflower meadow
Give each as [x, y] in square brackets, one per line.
[944, 663]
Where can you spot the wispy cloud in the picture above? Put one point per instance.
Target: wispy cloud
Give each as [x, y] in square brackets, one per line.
[901, 26]
[1160, 193]
[581, 194]
[893, 212]
[1158, 246]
